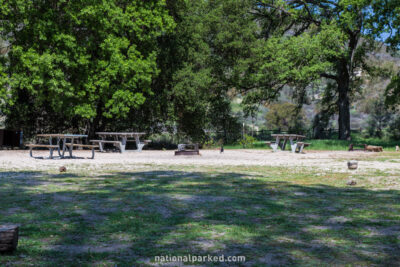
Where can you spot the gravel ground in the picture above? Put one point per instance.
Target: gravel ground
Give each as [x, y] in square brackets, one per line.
[327, 160]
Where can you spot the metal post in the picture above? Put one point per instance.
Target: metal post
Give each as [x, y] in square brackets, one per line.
[21, 139]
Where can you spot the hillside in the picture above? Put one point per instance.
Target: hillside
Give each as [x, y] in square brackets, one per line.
[372, 88]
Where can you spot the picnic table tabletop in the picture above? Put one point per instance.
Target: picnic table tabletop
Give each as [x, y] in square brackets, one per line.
[288, 135]
[121, 134]
[62, 135]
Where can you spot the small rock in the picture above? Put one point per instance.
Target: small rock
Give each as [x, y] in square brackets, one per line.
[352, 164]
[351, 182]
[63, 169]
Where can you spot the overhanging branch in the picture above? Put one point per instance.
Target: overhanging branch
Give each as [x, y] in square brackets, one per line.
[329, 76]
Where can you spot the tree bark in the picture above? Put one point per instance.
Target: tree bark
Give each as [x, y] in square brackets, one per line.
[344, 101]
[344, 115]
[8, 237]
[96, 125]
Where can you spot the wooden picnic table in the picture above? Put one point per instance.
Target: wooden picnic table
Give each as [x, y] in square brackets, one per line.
[67, 144]
[120, 140]
[281, 141]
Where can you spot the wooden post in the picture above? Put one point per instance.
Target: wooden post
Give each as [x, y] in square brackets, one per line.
[8, 238]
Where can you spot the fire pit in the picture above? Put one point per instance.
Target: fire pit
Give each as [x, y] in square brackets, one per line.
[187, 149]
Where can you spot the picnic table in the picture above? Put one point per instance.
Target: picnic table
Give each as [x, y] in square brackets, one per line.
[68, 143]
[294, 139]
[120, 140]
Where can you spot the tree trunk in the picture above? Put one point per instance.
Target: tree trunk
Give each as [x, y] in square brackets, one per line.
[8, 237]
[96, 124]
[344, 102]
[344, 116]
[344, 71]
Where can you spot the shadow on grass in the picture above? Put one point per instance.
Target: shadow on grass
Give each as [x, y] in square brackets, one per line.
[129, 218]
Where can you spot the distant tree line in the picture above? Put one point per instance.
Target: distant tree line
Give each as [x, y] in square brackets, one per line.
[174, 65]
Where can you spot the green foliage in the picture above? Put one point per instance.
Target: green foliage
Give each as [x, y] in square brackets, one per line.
[174, 65]
[394, 128]
[247, 141]
[209, 144]
[285, 117]
[3, 88]
[201, 63]
[320, 39]
[163, 141]
[81, 60]
[392, 93]
[379, 118]
[357, 141]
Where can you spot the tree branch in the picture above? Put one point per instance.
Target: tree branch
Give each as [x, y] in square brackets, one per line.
[329, 76]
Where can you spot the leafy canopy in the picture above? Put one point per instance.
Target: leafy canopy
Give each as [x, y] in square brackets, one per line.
[81, 59]
[285, 117]
[202, 62]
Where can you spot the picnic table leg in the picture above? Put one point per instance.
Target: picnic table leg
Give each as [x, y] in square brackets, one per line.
[58, 147]
[92, 153]
[301, 148]
[64, 148]
[123, 144]
[277, 142]
[292, 145]
[138, 144]
[102, 137]
[291, 140]
[51, 149]
[284, 144]
[70, 148]
[101, 146]
[119, 145]
[274, 147]
[51, 153]
[31, 154]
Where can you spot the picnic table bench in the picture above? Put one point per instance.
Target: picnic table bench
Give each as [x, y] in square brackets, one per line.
[50, 147]
[120, 140]
[359, 148]
[300, 146]
[72, 145]
[281, 140]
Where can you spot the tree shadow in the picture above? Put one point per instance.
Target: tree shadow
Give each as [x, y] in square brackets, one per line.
[127, 218]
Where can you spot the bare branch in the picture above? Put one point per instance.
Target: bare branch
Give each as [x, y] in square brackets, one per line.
[329, 76]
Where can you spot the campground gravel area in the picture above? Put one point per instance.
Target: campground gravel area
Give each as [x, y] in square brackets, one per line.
[326, 160]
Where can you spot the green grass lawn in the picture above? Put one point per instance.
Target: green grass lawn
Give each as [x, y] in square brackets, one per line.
[304, 217]
[332, 144]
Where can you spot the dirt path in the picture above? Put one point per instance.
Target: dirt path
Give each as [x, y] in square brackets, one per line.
[327, 160]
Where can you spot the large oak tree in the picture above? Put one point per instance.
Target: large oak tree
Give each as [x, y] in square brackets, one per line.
[78, 63]
[326, 38]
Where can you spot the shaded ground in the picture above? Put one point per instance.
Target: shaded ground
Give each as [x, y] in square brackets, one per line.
[272, 216]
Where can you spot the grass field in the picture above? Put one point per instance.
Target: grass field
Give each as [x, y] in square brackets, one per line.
[107, 217]
[333, 144]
